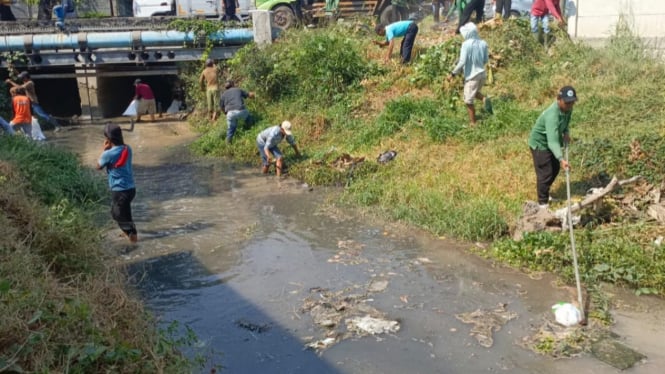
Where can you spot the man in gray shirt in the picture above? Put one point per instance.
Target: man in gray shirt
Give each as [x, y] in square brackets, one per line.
[267, 142]
[232, 103]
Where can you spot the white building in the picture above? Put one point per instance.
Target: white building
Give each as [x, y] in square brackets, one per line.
[597, 19]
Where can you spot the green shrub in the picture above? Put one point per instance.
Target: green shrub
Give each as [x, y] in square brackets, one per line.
[321, 65]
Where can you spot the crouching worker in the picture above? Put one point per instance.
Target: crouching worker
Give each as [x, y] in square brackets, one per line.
[267, 142]
[117, 159]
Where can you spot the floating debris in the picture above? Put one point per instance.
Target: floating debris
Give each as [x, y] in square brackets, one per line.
[378, 285]
[320, 345]
[368, 325]
[253, 327]
[342, 314]
[486, 322]
[349, 253]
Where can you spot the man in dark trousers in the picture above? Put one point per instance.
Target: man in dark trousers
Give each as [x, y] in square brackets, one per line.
[232, 103]
[502, 8]
[116, 158]
[6, 13]
[465, 14]
[549, 135]
[229, 8]
[407, 29]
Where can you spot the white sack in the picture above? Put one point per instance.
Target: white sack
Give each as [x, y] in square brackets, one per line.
[174, 107]
[37, 133]
[131, 109]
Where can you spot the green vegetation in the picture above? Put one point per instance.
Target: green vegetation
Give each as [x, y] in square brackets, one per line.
[62, 309]
[449, 178]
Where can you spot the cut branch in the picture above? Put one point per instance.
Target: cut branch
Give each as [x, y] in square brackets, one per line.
[597, 195]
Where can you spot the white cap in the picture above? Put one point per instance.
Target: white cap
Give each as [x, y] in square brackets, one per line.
[286, 125]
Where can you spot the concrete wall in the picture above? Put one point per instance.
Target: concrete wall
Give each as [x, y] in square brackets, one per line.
[597, 19]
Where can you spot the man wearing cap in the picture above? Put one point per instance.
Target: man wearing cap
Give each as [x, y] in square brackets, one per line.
[232, 103]
[146, 99]
[407, 29]
[267, 142]
[116, 157]
[548, 136]
[210, 76]
[29, 86]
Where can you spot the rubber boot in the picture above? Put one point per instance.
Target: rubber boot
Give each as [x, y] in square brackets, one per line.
[546, 40]
[265, 169]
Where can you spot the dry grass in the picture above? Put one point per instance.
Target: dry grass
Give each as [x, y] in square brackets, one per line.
[59, 318]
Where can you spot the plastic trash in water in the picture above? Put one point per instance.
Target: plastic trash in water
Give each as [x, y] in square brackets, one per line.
[567, 314]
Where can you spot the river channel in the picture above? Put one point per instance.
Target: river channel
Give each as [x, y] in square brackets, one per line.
[244, 260]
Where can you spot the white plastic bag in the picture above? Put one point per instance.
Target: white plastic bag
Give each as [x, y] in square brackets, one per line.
[174, 107]
[131, 109]
[37, 133]
[567, 314]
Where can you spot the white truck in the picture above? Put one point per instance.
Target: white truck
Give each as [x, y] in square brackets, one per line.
[188, 8]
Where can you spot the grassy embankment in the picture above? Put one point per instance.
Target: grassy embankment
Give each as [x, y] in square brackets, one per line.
[452, 179]
[62, 308]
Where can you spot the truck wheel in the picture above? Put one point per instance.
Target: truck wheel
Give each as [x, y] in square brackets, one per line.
[284, 16]
[389, 15]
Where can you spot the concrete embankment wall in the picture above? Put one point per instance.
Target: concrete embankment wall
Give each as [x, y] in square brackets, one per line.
[596, 20]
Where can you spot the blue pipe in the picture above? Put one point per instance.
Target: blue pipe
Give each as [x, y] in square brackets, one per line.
[123, 39]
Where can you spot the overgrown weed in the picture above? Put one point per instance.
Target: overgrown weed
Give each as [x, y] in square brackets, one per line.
[451, 178]
[62, 309]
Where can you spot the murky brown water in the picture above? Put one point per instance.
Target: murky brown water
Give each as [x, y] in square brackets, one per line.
[233, 254]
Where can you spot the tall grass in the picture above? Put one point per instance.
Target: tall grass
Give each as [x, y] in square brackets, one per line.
[62, 308]
[449, 178]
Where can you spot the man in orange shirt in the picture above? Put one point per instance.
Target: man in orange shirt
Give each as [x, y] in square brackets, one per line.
[22, 114]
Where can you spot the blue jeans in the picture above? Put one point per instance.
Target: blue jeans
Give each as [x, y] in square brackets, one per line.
[545, 20]
[38, 111]
[232, 118]
[6, 126]
[26, 128]
[264, 157]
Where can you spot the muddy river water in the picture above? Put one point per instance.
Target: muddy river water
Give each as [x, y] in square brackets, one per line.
[245, 260]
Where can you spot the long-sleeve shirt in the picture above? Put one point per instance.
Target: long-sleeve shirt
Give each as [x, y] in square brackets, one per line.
[474, 54]
[272, 136]
[549, 130]
[543, 7]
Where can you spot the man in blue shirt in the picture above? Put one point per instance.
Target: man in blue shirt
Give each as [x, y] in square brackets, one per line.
[267, 142]
[406, 29]
[117, 159]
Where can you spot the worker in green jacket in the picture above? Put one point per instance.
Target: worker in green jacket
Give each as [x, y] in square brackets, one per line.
[548, 136]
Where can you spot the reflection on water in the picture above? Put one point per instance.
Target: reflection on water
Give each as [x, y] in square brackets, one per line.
[233, 254]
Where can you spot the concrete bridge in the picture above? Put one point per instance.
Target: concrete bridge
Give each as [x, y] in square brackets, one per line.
[87, 68]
